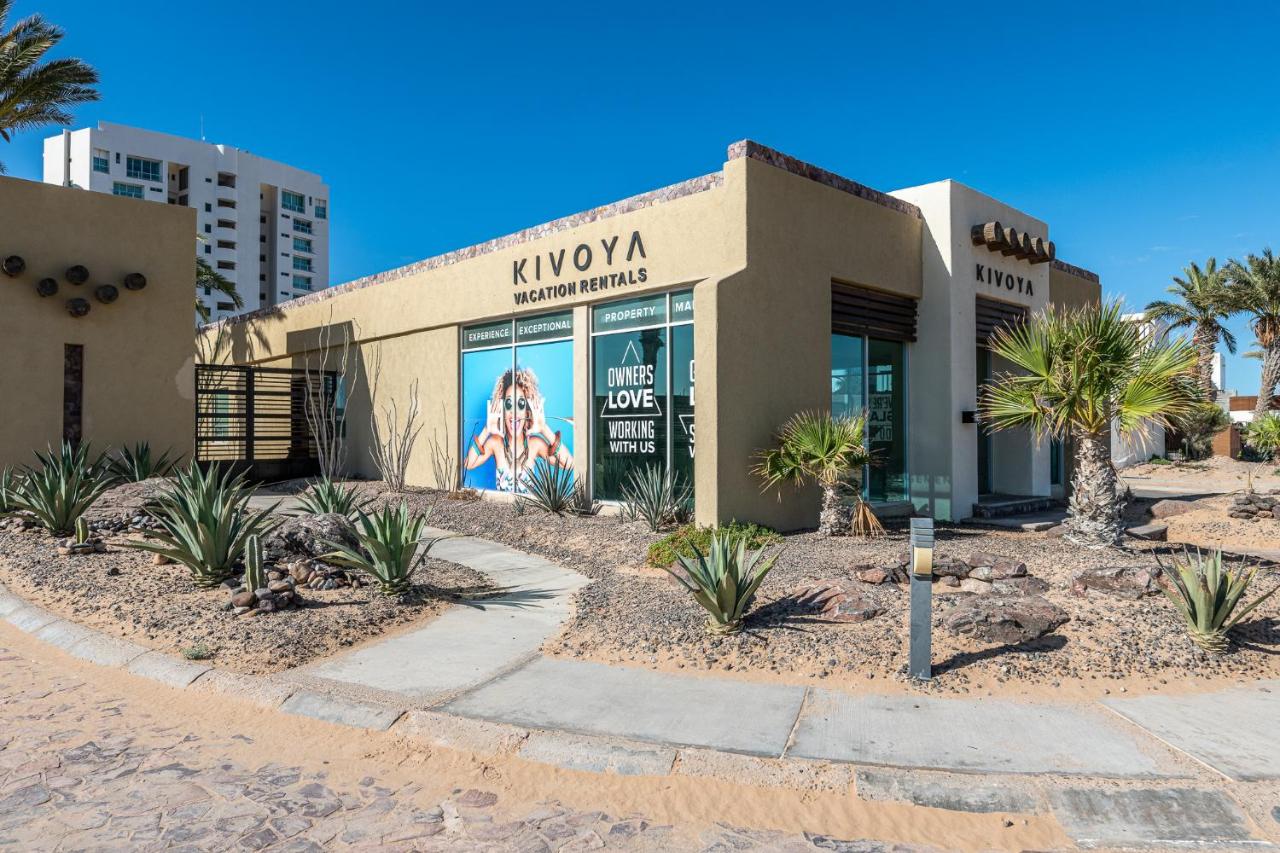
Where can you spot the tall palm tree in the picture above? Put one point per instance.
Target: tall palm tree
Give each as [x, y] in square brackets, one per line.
[1205, 301]
[1080, 371]
[831, 451]
[1255, 286]
[35, 92]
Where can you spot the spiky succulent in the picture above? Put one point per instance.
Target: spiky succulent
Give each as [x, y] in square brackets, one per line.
[1207, 594]
[326, 495]
[391, 547]
[724, 579]
[59, 490]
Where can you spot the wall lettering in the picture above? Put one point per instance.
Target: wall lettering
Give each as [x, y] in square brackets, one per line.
[999, 280]
[526, 273]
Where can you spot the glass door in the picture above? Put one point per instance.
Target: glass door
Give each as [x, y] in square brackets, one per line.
[984, 438]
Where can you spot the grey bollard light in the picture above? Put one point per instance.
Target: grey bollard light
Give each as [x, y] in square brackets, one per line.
[919, 663]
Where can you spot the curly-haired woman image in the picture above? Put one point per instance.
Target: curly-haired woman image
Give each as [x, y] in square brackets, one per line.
[516, 434]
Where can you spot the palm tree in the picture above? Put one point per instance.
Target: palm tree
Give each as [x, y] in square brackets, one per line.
[207, 276]
[1081, 371]
[1255, 285]
[1204, 303]
[34, 92]
[831, 451]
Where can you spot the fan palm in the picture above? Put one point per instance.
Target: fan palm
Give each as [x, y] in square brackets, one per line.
[1255, 286]
[1079, 372]
[35, 92]
[1205, 301]
[830, 451]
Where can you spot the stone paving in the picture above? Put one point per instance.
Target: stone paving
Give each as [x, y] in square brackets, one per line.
[81, 768]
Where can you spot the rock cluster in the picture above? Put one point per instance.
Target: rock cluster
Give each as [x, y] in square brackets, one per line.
[308, 537]
[70, 547]
[124, 522]
[1004, 619]
[1123, 581]
[280, 593]
[316, 574]
[1252, 506]
[836, 601]
[18, 523]
[979, 573]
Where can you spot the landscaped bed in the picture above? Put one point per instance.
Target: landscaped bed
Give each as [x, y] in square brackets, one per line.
[123, 593]
[636, 614]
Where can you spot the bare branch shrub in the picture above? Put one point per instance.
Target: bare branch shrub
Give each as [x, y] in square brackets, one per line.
[394, 434]
[328, 423]
[447, 465]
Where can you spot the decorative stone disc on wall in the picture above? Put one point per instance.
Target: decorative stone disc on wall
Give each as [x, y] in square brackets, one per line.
[77, 274]
[13, 266]
[46, 287]
[78, 307]
[135, 281]
[106, 293]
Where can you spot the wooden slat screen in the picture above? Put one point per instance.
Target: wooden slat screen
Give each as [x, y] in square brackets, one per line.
[860, 311]
[991, 314]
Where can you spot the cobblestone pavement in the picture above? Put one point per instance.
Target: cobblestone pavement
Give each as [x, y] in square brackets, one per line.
[82, 768]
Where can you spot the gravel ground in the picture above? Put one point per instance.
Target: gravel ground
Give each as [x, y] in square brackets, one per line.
[122, 593]
[635, 614]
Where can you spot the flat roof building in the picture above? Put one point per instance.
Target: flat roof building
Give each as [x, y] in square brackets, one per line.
[262, 224]
[728, 303]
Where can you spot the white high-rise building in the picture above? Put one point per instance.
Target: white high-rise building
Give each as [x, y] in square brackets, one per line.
[260, 223]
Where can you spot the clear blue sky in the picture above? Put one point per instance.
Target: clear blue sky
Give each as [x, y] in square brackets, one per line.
[1147, 135]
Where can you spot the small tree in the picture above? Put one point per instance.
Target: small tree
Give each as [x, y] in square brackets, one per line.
[1204, 303]
[1263, 435]
[1255, 285]
[394, 432]
[1199, 426]
[830, 451]
[1078, 372]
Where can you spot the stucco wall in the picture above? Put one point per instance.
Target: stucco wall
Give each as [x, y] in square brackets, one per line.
[1072, 288]
[138, 351]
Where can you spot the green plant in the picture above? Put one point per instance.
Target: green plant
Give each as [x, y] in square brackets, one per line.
[1255, 286]
[135, 464]
[1263, 435]
[724, 580]
[34, 91]
[388, 542]
[206, 523]
[1206, 594]
[197, 651]
[82, 531]
[658, 495]
[1158, 460]
[8, 483]
[1205, 302]
[832, 452]
[551, 487]
[1076, 373]
[255, 576]
[1198, 426]
[688, 539]
[327, 496]
[59, 491]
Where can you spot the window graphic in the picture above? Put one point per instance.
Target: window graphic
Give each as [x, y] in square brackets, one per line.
[517, 400]
[642, 389]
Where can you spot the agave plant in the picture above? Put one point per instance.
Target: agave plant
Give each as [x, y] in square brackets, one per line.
[724, 580]
[135, 464]
[658, 495]
[327, 496]
[551, 487]
[8, 483]
[206, 523]
[389, 543]
[1207, 594]
[831, 451]
[59, 491]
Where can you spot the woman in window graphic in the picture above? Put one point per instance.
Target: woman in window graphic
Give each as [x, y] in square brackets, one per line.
[516, 434]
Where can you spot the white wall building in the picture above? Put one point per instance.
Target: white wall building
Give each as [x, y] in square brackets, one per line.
[1147, 440]
[262, 224]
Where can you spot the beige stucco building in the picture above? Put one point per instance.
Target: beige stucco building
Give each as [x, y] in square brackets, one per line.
[88, 349]
[786, 286]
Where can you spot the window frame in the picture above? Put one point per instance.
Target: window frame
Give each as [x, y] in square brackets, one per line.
[140, 168]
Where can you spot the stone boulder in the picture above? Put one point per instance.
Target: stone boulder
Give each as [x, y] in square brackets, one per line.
[835, 600]
[1003, 618]
[308, 536]
[1125, 581]
[1169, 507]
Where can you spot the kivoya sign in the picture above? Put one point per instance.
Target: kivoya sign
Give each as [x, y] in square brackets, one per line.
[587, 268]
[1000, 280]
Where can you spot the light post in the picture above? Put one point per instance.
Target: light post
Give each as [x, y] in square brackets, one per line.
[919, 662]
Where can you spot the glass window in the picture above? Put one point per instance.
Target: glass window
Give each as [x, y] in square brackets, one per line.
[868, 376]
[303, 264]
[517, 399]
[302, 226]
[101, 160]
[642, 387]
[142, 168]
[301, 244]
[296, 202]
[127, 190]
[321, 209]
[302, 282]
[886, 420]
